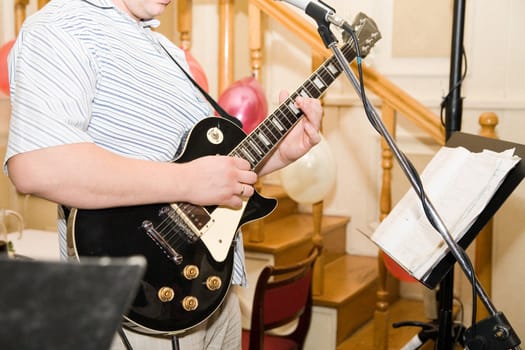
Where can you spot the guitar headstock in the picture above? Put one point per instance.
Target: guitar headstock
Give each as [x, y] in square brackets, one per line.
[366, 31]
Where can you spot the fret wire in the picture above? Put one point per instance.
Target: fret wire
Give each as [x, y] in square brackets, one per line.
[247, 154]
[267, 135]
[255, 146]
[312, 90]
[289, 121]
[259, 143]
[271, 132]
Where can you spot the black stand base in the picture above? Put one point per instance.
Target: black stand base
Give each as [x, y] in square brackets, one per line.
[492, 333]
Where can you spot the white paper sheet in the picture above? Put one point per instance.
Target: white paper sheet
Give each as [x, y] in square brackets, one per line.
[459, 184]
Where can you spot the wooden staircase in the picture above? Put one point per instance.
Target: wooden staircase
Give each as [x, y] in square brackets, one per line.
[349, 282]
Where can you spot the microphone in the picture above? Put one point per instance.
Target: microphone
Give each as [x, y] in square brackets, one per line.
[319, 11]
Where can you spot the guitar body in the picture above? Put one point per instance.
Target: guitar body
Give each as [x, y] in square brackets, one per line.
[189, 248]
[183, 283]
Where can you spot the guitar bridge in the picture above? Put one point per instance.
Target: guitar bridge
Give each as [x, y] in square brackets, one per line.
[161, 242]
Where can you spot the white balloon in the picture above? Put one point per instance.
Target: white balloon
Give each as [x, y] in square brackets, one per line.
[309, 179]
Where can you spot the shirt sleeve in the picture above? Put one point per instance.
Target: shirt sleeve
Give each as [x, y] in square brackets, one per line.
[53, 80]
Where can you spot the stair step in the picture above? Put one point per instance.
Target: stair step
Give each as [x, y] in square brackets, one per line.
[290, 238]
[401, 310]
[350, 286]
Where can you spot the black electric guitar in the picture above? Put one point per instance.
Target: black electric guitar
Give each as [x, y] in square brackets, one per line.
[189, 249]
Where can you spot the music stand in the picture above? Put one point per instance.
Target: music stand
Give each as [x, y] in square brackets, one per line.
[488, 326]
[494, 332]
[475, 143]
[49, 305]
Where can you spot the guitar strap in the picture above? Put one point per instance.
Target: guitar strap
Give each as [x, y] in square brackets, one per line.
[210, 99]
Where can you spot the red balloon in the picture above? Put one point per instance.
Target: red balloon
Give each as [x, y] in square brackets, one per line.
[196, 70]
[4, 76]
[396, 270]
[245, 100]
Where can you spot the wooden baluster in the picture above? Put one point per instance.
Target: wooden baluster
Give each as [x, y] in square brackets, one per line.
[382, 314]
[225, 44]
[317, 240]
[483, 252]
[20, 14]
[317, 212]
[184, 22]
[255, 41]
[42, 3]
[256, 228]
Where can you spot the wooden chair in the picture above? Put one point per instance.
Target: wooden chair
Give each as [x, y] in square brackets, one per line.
[282, 295]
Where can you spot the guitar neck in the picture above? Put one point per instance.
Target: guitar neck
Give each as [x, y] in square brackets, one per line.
[267, 135]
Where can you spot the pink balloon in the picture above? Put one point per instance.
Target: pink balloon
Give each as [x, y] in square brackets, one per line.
[196, 70]
[245, 100]
[4, 76]
[396, 270]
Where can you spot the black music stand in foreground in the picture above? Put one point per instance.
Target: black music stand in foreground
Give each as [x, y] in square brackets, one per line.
[495, 332]
[49, 305]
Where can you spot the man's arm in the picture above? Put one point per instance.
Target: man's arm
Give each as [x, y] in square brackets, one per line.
[84, 175]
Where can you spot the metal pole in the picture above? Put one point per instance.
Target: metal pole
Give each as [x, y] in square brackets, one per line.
[454, 106]
[453, 113]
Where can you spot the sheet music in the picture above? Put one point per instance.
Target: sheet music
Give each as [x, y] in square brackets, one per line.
[459, 184]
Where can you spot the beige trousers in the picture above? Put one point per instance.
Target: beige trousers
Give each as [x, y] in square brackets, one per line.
[221, 331]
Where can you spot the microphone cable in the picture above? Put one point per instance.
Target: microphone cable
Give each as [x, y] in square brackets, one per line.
[410, 171]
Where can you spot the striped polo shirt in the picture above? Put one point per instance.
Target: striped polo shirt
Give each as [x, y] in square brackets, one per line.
[85, 71]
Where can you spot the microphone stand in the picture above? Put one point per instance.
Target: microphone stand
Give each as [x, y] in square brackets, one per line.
[493, 333]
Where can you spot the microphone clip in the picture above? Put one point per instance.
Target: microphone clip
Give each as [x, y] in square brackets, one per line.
[323, 16]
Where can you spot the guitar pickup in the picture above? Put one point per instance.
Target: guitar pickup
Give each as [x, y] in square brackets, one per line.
[196, 218]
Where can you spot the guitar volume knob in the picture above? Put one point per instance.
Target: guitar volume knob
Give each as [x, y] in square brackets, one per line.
[213, 283]
[166, 294]
[191, 272]
[190, 303]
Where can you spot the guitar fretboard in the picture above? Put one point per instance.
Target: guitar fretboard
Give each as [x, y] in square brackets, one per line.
[267, 135]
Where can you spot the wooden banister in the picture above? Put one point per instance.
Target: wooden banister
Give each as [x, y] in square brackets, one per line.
[403, 103]
[387, 91]
[294, 22]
